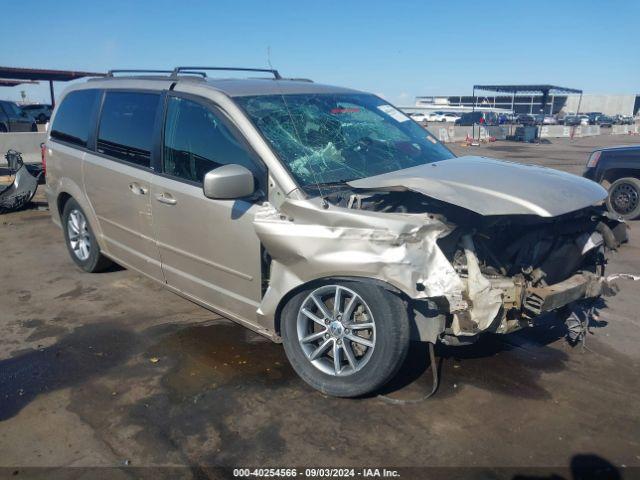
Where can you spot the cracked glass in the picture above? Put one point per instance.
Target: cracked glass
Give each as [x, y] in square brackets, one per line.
[325, 140]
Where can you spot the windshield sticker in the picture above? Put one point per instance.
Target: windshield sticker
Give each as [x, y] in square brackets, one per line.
[397, 115]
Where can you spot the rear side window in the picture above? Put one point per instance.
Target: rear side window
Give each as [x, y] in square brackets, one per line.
[75, 118]
[126, 126]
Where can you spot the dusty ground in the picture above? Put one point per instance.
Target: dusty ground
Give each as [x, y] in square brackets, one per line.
[109, 369]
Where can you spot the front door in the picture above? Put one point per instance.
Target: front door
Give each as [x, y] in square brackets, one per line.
[117, 178]
[209, 248]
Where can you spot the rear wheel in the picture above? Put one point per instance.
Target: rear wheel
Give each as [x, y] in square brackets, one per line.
[624, 198]
[80, 239]
[345, 338]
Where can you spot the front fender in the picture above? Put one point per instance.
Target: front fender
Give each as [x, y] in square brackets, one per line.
[308, 245]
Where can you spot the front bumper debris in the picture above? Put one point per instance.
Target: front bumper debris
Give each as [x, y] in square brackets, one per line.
[17, 195]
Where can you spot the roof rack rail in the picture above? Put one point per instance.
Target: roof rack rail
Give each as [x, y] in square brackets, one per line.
[194, 70]
[294, 79]
[111, 73]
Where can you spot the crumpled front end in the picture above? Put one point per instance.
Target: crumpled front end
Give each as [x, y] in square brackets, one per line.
[517, 268]
[480, 273]
[306, 243]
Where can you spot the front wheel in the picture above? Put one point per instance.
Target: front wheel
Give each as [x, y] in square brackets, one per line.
[624, 198]
[345, 338]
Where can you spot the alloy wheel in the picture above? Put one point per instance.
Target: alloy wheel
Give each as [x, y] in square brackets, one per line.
[336, 330]
[79, 236]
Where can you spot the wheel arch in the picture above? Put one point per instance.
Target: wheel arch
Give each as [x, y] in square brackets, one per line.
[68, 190]
[61, 201]
[613, 174]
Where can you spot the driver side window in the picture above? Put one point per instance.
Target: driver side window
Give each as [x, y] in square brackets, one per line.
[197, 141]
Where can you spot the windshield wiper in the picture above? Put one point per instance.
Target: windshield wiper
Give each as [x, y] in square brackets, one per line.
[335, 183]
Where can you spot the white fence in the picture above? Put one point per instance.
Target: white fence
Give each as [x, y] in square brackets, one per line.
[460, 134]
[562, 131]
[452, 133]
[625, 129]
[26, 143]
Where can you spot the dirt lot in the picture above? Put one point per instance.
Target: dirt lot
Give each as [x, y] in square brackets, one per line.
[111, 370]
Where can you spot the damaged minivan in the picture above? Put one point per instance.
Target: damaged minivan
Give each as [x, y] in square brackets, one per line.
[320, 217]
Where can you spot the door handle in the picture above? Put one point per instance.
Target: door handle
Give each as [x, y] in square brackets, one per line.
[166, 198]
[137, 189]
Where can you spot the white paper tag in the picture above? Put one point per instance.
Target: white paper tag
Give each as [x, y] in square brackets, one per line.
[397, 115]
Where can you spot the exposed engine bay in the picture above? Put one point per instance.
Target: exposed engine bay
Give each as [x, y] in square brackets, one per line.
[514, 267]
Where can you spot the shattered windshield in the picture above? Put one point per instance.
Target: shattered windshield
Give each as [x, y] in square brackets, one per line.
[329, 139]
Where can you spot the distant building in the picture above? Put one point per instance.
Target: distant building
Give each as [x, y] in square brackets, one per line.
[607, 104]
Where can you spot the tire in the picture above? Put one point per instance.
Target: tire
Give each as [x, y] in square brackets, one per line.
[360, 368]
[90, 258]
[624, 198]
[3, 129]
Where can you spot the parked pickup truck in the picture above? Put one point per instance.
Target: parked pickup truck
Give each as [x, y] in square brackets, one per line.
[618, 168]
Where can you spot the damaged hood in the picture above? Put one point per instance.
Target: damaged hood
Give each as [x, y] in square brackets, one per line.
[493, 187]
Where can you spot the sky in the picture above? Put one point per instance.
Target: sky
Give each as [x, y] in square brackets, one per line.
[396, 49]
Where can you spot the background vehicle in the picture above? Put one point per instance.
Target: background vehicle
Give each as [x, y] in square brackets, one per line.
[229, 192]
[525, 119]
[418, 117]
[41, 113]
[623, 119]
[477, 118]
[450, 117]
[572, 120]
[549, 120]
[435, 116]
[562, 116]
[12, 119]
[604, 121]
[538, 118]
[593, 116]
[618, 168]
[442, 116]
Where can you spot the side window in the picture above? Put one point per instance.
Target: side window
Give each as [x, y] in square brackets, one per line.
[197, 141]
[126, 126]
[74, 119]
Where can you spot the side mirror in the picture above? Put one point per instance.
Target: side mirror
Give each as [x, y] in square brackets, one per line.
[228, 182]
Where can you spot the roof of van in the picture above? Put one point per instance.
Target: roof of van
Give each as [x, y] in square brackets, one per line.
[233, 87]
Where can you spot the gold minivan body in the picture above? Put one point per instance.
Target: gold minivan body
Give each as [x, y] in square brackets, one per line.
[245, 257]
